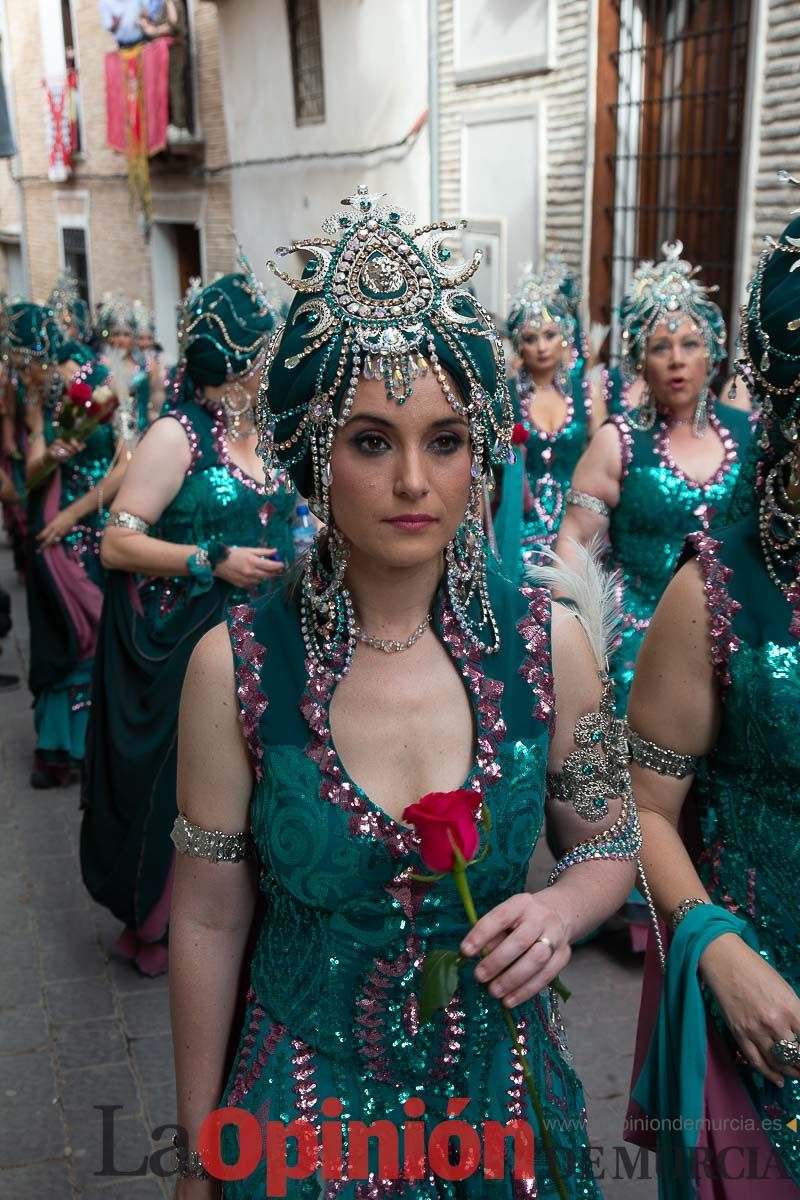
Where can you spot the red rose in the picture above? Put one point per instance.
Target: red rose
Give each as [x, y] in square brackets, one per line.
[519, 435]
[440, 816]
[80, 392]
[93, 409]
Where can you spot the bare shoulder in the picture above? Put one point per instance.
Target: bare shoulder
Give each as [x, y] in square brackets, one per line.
[166, 434]
[214, 772]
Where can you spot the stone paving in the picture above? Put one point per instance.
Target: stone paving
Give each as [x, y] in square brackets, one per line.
[81, 1029]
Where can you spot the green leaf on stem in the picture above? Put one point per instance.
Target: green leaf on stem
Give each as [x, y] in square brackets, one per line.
[560, 988]
[439, 981]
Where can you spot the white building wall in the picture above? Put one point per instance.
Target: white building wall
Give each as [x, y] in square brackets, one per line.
[376, 89]
[542, 189]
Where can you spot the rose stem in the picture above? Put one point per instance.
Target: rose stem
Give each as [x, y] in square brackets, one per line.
[460, 876]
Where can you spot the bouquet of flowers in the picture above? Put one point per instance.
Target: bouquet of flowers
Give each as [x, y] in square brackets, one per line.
[89, 402]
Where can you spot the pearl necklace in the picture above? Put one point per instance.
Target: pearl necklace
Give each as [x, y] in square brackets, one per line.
[387, 645]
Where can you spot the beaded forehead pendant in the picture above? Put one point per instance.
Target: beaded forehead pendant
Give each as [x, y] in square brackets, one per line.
[668, 292]
[379, 289]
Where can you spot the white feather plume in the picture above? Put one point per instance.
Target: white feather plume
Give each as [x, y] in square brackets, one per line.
[592, 588]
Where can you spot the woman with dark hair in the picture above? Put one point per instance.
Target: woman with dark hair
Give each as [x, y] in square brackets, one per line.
[714, 716]
[401, 664]
[196, 526]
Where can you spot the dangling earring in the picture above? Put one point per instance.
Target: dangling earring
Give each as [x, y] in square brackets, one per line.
[238, 408]
[562, 373]
[643, 418]
[466, 558]
[700, 420]
[326, 609]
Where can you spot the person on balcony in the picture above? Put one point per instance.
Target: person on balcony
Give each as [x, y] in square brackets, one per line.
[169, 19]
[121, 17]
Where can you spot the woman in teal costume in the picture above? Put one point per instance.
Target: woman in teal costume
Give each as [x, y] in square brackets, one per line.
[401, 660]
[128, 369]
[652, 476]
[65, 518]
[556, 410]
[194, 528]
[715, 712]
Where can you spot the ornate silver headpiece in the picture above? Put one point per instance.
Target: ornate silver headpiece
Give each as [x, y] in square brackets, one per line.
[668, 292]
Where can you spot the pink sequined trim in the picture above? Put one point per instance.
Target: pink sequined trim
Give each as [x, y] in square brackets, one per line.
[371, 1016]
[224, 456]
[246, 1076]
[189, 430]
[249, 656]
[793, 596]
[665, 455]
[721, 606]
[521, 1189]
[365, 819]
[537, 667]
[488, 694]
[625, 441]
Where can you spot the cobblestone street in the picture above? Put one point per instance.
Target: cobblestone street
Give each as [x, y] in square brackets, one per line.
[80, 1029]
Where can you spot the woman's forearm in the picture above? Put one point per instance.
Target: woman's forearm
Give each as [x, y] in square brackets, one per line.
[204, 970]
[127, 550]
[588, 893]
[670, 872]
[102, 494]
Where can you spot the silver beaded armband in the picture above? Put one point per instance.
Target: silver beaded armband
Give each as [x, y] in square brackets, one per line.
[126, 520]
[597, 771]
[680, 911]
[211, 843]
[188, 1162]
[658, 758]
[586, 500]
[622, 840]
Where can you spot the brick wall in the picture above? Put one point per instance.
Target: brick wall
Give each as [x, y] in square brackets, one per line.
[118, 251]
[565, 91]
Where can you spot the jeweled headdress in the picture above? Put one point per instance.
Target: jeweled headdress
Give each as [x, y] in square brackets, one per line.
[382, 299]
[116, 313]
[32, 329]
[142, 318]
[668, 291]
[69, 306]
[547, 297]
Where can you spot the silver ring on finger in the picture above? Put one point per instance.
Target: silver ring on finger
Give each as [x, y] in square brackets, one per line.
[787, 1051]
[545, 940]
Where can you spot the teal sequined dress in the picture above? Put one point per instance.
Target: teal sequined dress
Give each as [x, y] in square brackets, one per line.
[149, 629]
[64, 594]
[750, 790]
[535, 485]
[333, 1005]
[659, 506]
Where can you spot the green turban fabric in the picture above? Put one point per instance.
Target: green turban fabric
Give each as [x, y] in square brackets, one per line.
[222, 329]
[32, 328]
[771, 362]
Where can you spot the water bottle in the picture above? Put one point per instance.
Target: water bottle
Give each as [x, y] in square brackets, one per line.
[303, 530]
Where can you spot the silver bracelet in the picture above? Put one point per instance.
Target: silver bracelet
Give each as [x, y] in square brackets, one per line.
[188, 1162]
[126, 520]
[680, 911]
[658, 758]
[586, 500]
[212, 844]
